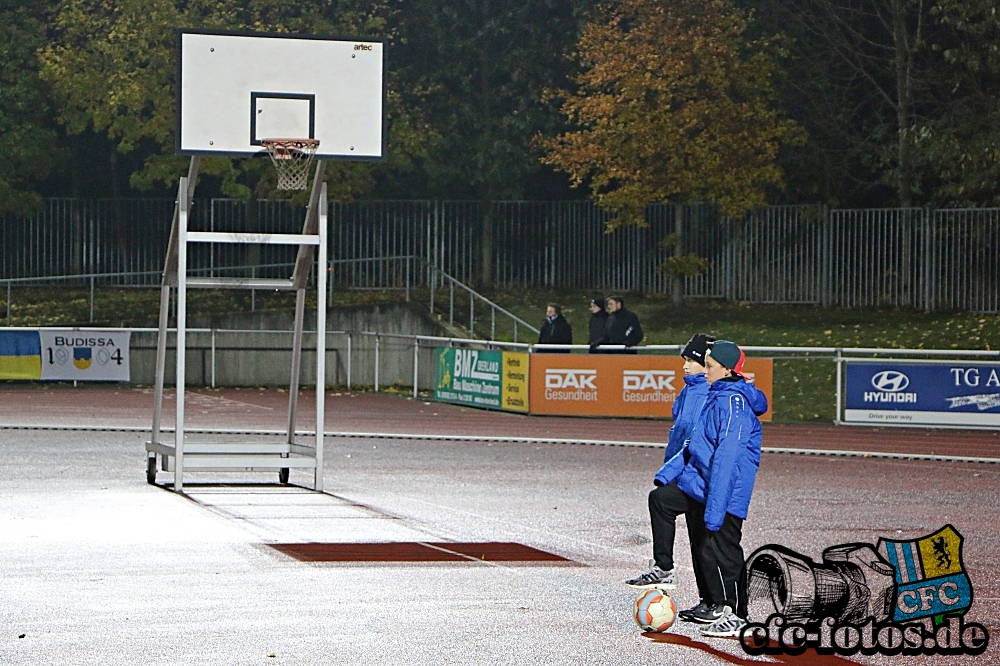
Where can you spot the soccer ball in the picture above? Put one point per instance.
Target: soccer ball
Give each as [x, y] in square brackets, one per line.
[654, 610]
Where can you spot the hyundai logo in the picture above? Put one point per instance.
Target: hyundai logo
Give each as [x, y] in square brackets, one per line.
[890, 380]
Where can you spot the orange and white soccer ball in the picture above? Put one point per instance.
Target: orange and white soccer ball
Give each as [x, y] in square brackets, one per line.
[654, 610]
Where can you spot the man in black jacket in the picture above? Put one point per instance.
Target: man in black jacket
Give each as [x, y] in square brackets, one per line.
[598, 320]
[622, 327]
[556, 330]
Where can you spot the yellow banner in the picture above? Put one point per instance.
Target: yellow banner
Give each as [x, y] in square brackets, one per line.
[514, 389]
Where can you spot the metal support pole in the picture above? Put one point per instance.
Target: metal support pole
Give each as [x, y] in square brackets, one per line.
[321, 341]
[293, 387]
[472, 314]
[91, 299]
[493, 323]
[213, 358]
[161, 362]
[8, 302]
[839, 361]
[376, 361]
[182, 222]
[408, 279]
[451, 304]
[348, 361]
[253, 292]
[416, 364]
[433, 282]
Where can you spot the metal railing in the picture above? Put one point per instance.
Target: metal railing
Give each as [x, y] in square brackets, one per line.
[404, 273]
[920, 258]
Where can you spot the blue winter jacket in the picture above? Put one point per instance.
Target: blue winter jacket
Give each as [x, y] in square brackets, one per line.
[719, 465]
[687, 408]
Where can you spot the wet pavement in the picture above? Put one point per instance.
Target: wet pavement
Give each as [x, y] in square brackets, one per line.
[98, 567]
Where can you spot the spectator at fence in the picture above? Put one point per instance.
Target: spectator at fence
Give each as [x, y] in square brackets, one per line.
[622, 328]
[598, 319]
[556, 330]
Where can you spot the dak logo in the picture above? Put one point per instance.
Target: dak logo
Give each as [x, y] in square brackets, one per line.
[930, 575]
[890, 380]
[638, 380]
[81, 357]
[559, 378]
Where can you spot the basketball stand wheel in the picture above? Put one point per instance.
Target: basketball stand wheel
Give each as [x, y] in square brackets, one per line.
[151, 470]
[283, 476]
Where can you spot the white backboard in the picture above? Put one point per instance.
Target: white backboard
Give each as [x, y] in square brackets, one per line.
[235, 89]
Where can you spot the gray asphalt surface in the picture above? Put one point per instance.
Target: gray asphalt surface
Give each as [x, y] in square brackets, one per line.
[98, 567]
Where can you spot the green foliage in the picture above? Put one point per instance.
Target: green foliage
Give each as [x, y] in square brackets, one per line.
[28, 145]
[112, 69]
[674, 104]
[688, 265]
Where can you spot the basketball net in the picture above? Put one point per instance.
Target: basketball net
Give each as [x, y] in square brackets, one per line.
[291, 159]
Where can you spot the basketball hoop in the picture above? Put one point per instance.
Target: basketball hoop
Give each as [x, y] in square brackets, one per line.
[291, 159]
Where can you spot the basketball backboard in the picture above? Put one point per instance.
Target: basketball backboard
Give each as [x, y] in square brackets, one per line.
[235, 89]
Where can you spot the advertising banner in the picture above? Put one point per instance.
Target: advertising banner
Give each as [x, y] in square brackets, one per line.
[620, 385]
[469, 377]
[923, 392]
[514, 392]
[82, 355]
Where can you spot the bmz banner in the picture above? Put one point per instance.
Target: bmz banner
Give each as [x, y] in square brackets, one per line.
[923, 393]
[482, 378]
[65, 355]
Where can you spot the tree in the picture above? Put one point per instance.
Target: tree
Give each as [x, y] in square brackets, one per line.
[28, 143]
[483, 66]
[958, 148]
[674, 103]
[112, 68]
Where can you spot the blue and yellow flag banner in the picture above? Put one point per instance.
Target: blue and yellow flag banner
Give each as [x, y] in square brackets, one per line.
[20, 355]
[930, 576]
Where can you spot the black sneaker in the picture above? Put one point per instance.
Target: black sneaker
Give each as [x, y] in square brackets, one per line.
[687, 615]
[707, 613]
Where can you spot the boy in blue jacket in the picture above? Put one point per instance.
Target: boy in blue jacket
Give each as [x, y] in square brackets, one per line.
[718, 469]
[666, 502]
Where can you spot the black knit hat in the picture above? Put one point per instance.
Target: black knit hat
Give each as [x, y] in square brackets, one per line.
[598, 301]
[697, 347]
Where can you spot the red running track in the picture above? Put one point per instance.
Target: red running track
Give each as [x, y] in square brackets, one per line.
[255, 409]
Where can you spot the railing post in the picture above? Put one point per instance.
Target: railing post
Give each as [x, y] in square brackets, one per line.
[91, 299]
[8, 301]
[451, 303]
[515, 330]
[408, 279]
[472, 314]
[493, 323]
[253, 292]
[433, 284]
[213, 358]
[840, 362]
[416, 365]
[376, 361]
[348, 361]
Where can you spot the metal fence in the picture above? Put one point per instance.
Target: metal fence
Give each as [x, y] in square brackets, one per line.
[943, 259]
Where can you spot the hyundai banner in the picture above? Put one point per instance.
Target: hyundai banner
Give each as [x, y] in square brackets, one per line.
[923, 393]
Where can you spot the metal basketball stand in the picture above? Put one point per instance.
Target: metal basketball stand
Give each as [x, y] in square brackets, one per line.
[180, 457]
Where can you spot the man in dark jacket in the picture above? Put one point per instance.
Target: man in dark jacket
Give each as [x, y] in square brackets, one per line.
[598, 320]
[556, 330]
[622, 327]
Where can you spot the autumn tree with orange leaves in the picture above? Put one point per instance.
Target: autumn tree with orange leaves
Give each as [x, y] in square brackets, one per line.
[673, 104]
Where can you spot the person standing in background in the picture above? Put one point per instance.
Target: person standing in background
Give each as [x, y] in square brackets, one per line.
[556, 330]
[622, 328]
[598, 320]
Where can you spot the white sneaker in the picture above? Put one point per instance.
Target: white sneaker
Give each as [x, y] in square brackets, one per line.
[728, 626]
[655, 577]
